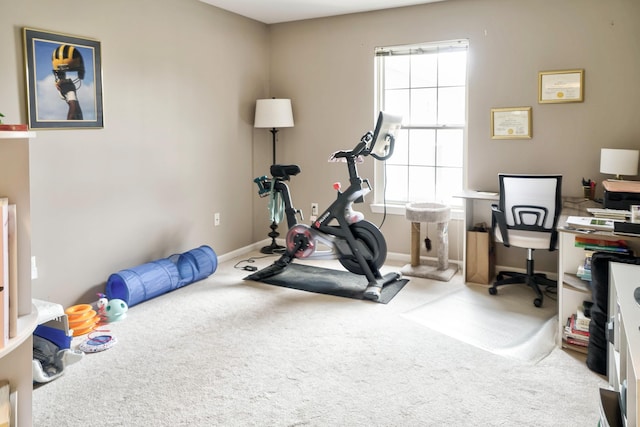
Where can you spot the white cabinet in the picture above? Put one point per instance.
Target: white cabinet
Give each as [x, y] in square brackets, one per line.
[624, 346]
[16, 356]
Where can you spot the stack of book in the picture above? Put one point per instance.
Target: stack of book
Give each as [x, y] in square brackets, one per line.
[617, 214]
[602, 245]
[591, 245]
[584, 269]
[576, 331]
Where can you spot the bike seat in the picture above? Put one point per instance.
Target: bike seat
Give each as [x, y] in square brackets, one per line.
[284, 171]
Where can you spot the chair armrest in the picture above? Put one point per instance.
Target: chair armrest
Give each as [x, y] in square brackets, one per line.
[498, 219]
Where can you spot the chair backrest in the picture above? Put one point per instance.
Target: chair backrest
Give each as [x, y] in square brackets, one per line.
[531, 202]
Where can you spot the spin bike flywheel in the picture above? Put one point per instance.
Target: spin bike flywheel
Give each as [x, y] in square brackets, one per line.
[301, 231]
[370, 236]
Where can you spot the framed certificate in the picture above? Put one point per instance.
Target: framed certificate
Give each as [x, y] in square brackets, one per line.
[561, 86]
[511, 123]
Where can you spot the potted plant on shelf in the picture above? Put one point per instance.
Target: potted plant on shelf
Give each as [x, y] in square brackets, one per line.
[11, 127]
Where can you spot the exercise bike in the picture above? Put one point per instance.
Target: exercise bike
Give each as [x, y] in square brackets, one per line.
[358, 244]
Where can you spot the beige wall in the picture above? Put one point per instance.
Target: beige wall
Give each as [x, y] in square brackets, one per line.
[180, 82]
[326, 67]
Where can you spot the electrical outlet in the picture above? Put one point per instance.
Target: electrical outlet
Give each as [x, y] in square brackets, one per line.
[216, 219]
[314, 209]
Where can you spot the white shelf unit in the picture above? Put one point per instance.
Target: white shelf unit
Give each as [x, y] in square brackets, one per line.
[16, 134]
[572, 290]
[16, 357]
[624, 346]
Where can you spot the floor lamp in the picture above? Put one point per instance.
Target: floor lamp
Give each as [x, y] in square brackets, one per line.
[273, 113]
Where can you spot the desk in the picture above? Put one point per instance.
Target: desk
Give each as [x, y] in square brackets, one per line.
[572, 291]
[484, 199]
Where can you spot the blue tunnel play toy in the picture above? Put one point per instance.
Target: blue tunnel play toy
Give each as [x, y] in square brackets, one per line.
[149, 280]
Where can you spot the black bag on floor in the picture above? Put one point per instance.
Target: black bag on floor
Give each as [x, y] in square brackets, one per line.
[597, 349]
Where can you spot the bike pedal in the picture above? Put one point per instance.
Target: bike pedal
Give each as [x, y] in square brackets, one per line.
[372, 293]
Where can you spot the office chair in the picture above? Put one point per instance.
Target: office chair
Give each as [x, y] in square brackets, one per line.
[526, 217]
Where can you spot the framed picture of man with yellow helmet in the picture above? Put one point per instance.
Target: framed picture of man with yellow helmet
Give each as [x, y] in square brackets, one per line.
[64, 80]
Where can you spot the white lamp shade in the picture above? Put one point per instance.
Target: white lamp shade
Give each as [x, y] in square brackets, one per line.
[619, 161]
[273, 113]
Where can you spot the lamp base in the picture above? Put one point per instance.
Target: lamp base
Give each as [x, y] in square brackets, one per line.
[273, 247]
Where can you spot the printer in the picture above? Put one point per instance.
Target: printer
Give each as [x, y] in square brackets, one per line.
[621, 194]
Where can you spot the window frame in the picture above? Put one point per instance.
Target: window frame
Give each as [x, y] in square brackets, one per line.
[398, 207]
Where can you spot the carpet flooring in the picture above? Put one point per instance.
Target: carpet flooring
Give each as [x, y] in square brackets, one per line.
[230, 352]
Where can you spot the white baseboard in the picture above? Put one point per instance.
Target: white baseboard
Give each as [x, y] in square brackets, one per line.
[243, 251]
[391, 256]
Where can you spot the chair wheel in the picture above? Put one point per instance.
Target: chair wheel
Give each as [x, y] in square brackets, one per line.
[537, 302]
[493, 291]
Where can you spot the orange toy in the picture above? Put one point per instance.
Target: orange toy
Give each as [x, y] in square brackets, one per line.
[82, 319]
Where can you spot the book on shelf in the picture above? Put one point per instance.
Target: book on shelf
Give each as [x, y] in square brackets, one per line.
[584, 269]
[13, 272]
[5, 404]
[13, 417]
[583, 273]
[574, 340]
[602, 245]
[4, 271]
[614, 249]
[577, 342]
[15, 128]
[574, 329]
[570, 330]
[583, 240]
[574, 347]
[582, 321]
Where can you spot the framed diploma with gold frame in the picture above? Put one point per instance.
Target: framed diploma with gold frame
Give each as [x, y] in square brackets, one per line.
[511, 123]
[560, 86]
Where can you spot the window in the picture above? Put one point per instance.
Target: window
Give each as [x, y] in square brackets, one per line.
[426, 84]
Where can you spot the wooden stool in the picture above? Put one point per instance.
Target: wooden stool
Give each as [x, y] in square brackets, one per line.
[418, 213]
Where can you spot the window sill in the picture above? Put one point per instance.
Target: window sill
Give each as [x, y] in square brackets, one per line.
[457, 213]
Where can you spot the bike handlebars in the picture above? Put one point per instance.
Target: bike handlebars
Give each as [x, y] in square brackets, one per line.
[379, 143]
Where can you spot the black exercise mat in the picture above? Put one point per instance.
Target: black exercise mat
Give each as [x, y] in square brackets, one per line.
[330, 282]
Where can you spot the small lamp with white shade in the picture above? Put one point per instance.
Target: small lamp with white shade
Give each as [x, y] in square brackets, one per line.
[273, 113]
[619, 162]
